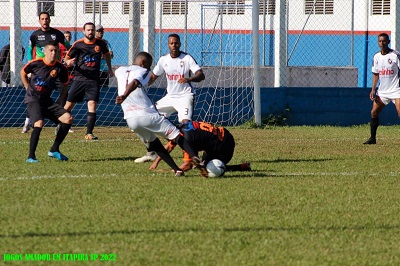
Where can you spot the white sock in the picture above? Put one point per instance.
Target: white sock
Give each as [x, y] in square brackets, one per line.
[27, 120]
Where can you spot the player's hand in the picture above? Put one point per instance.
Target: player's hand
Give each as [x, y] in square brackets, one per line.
[120, 99]
[183, 80]
[110, 73]
[69, 62]
[372, 95]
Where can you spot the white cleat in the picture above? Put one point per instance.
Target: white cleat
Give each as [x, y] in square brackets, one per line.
[148, 157]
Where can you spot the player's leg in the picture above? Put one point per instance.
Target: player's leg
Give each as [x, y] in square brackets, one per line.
[377, 106]
[142, 126]
[26, 126]
[164, 108]
[184, 106]
[59, 115]
[92, 94]
[37, 118]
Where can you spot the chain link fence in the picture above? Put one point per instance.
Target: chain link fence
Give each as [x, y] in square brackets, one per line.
[328, 43]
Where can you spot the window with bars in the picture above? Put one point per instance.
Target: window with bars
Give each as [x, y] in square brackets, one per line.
[174, 8]
[88, 7]
[126, 6]
[380, 7]
[232, 7]
[45, 6]
[266, 7]
[318, 7]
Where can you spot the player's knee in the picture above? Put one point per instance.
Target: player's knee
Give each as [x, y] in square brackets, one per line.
[39, 123]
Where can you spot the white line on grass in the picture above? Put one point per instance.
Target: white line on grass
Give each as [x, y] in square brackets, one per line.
[54, 176]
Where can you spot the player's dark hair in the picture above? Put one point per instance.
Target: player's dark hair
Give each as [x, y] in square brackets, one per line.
[174, 35]
[146, 55]
[384, 35]
[44, 12]
[88, 23]
[54, 43]
[67, 32]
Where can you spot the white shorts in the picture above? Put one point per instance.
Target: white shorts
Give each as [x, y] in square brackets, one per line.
[183, 104]
[386, 98]
[146, 127]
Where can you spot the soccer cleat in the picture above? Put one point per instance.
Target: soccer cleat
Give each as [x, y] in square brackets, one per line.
[91, 137]
[25, 128]
[200, 166]
[179, 173]
[31, 160]
[71, 130]
[58, 155]
[370, 141]
[148, 157]
[245, 166]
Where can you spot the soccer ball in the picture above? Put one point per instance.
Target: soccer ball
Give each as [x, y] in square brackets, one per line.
[215, 168]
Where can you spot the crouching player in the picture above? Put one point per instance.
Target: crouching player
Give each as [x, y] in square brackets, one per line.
[139, 111]
[215, 142]
[44, 74]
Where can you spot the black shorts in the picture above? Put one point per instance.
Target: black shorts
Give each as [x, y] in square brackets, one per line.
[39, 111]
[224, 152]
[88, 89]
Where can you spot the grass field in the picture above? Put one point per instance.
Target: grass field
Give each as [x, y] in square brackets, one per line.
[316, 196]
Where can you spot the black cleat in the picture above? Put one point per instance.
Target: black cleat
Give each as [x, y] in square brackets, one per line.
[200, 166]
[370, 141]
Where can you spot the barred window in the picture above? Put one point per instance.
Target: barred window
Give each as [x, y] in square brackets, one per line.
[231, 7]
[318, 7]
[266, 7]
[380, 7]
[88, 7]
[45, 6]
[126, 6]
[174, 8]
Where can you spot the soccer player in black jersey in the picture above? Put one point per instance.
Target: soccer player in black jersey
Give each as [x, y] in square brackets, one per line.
[215, 142]
[86, 55]
[37, 42]
[44, 74]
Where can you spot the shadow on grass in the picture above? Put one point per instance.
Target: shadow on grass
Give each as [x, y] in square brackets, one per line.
[294, 160]
[129, 158]
[204, 230]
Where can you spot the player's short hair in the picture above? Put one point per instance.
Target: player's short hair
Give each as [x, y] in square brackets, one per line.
[44, 13]
[384, 35]
[67, 32]
[88, 23]
[146, 55]
[53, 43]
[174, 35]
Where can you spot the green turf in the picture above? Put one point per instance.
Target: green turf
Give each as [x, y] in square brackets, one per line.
[316, 196]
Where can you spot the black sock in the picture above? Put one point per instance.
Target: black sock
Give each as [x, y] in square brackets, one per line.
[90, 122]
[34, 142]
[157, 146]
[184, 144]
[374, 126]
[61, 134]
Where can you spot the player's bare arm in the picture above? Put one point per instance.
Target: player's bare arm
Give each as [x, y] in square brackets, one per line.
[107, 57]
[69, 61]
[129, 88]
[375, 79]
[153, 78]
[197, 77]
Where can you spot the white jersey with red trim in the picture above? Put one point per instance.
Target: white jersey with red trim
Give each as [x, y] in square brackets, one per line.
[387, 66]
[175, 69]
[138, 102]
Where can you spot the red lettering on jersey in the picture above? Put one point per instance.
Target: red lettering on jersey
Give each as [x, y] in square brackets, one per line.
[386, 72]
[174, 76]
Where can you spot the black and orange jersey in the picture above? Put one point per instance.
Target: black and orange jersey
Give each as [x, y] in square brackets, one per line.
[43, 79]
[88, 58]
[203, 136]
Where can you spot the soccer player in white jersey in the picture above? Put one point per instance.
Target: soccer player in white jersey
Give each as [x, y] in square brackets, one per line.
[385, 69]
[181, 70]
[139, 111]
